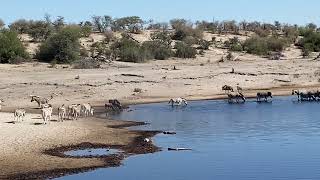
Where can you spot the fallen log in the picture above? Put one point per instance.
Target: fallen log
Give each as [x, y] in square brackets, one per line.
[179, 149]
[168, 132]
[132, 75]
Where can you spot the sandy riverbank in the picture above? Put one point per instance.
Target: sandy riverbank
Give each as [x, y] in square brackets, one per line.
[21, 150]
[23, 145]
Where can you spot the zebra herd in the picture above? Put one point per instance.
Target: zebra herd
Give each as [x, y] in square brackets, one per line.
[237, 97]
[71, 112]
[307, 95]
[74, 111]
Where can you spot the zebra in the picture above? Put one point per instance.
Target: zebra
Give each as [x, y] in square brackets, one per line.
[264, 95]
[19, 114]
[304, 95]
[178, 102]
[46, 113]
[236, 97]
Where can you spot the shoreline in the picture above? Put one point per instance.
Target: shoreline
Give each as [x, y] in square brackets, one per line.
[249, 94]
[136, 147]
[129, 148]
[48, 158]
[195, 79]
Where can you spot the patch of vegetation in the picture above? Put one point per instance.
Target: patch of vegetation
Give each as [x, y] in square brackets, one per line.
[132, 24]
[208, 26]
[233, 44]
[99, 49]
[164, 37]
[262, 32]
[184, 50]
[204, 45]
[11, 48]
[158, 26]
[38, 30]
[86, 30]
[157, 49]
[264, 45]
[63, 46]
[86, 64]
[310, 42]
[184, 29]
[130, 51]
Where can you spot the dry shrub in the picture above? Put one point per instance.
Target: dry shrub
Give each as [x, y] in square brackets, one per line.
[86, 64]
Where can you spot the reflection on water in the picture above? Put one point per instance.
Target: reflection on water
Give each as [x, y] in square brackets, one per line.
[278, 140]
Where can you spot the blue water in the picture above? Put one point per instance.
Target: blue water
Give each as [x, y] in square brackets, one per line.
[278, 141]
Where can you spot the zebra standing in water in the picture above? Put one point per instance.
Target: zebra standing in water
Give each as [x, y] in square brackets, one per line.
[304, 95]
[264, 95]
[236, 98]
[178, 102]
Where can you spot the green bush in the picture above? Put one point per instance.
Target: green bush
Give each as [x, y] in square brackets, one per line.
[132, 24]
[11, 47]
[99, 49]
[38, 30]
[310, 41]
[263, 45]
[233, 44]
[184, 29]
[276, 44]
[20, 26]
[163, 36]
[204, 45]
[184, 50]
[64, 46]
[86, 31]
[130, 51]
[261, 32]
[256, 45]
[157, 49]
[190, 40]
[236, 47]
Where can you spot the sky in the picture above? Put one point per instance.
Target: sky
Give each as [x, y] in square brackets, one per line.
[286, 11]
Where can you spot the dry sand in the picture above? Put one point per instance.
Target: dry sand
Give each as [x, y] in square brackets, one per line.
[22, 144]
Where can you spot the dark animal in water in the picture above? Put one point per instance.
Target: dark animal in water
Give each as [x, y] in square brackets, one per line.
[236, 97]
[317, 95]
[113, 105]
[116, 103]
[263, 95]
[304, 95]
